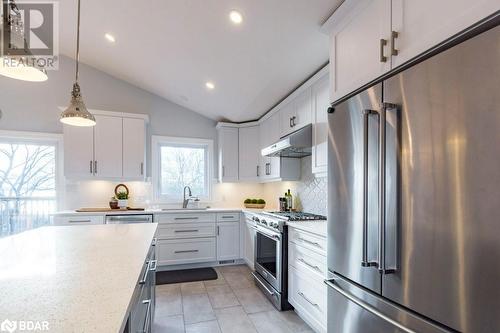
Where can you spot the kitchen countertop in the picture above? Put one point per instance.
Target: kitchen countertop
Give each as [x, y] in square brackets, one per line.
[78, 279]
[157, 211]
[315, 227]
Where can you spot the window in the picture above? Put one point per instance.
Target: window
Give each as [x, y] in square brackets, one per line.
[179, 162]
[28, 180]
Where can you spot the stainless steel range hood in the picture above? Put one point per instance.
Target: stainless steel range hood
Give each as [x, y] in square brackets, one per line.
[295, 145]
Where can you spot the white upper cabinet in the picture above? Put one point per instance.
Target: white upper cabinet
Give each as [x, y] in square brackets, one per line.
[249, 153]
[108, 147]
[359, 44]
[113, 149]
[369, 38]
[422, 24]
[297, 113]
[228, 154]
[78, 152]
[134, 141]
[321, 102]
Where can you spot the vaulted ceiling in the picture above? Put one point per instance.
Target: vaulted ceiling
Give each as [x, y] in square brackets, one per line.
[173, 47]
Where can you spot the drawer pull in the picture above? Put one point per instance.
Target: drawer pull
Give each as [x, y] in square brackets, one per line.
[145, 327]
[154, 265]
[310, 242]
[145, 275]
[310, 265]
[228, 217]
[301, 294]
[155, 240]
[79, 221]
[186, 251]
[193, 230]
[187, 218]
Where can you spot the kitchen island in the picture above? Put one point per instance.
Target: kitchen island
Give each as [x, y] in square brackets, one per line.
[76, 279]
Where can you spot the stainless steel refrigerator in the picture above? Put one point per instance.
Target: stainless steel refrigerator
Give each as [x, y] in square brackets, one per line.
[414, 198]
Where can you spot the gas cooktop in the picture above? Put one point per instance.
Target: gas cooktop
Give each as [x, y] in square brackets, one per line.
[296, 216]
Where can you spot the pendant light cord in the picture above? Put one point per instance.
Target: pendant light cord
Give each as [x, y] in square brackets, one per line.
[78, 43]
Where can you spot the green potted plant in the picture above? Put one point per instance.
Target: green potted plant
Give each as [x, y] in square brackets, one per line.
[254, 203]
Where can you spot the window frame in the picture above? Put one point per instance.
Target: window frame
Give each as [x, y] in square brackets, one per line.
[48, 139]
[157, 142]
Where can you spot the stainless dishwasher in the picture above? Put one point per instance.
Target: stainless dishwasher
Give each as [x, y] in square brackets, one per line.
[129, 218]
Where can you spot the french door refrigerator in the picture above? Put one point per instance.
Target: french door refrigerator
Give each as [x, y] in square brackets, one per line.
[414, 198]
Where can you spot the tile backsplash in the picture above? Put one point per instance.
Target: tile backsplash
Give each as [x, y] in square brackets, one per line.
[312, 191]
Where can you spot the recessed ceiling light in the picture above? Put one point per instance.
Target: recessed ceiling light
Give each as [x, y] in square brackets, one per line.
[110, 38]
[235, 17]
[210, 85]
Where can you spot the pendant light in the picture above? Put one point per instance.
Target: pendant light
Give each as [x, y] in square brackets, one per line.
[16, 66]
[77, 114]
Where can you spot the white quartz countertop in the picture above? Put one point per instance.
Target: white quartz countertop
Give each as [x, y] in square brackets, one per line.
[157, 211]
[75, 278]
[315, 227]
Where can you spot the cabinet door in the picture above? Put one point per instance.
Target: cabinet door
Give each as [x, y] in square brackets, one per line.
[134, 142]
[303, 108]
[228, 154]
[249, 153]
[423, 24]
[321, 102]
[249, 239]
[108, 147]
[355, 44]
[228, 240]
[286, 113]
[78, 151]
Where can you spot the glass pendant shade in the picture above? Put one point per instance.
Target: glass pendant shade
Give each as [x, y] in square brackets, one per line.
[77, 114]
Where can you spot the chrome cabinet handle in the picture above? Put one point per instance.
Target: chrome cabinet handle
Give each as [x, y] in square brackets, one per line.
[142, 168]
[394, 35]
[145, 275]
[91, 167]
[79, 221]
[258, 171]
[95, 167]
[228, 216]
[155, 240]
[218, 230]
[310, 242]
[301, 294]
[187, 251]
[383, 43]
[145, 327]
[293, 121]
[186, 218]
[310, 265]
[364, 261]
[154, 265]
[291, 124]
[180, 231]
[223, 171]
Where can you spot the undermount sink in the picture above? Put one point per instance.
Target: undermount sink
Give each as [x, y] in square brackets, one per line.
[180, 208]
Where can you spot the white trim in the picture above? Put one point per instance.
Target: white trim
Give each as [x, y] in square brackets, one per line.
[115, 114]
[156, 141]
[51, 138]
[237, 125]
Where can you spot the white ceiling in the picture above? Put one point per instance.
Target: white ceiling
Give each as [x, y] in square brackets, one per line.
[172, 47]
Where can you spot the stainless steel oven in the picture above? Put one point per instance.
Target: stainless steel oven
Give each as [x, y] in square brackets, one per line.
[269, 256]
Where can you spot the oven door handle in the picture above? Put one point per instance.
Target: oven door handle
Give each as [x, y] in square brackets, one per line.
[268, 234]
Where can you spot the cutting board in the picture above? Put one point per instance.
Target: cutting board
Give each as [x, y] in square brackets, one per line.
[99, 210]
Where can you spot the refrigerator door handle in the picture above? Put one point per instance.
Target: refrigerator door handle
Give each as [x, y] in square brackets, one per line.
[382, 189]
[365, 262]
[332, 284]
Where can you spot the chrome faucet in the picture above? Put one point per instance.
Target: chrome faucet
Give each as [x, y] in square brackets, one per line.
[186, 201]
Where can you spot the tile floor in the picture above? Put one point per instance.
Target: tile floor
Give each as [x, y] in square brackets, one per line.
[230, 304]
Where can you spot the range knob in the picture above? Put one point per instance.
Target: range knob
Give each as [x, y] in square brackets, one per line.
[255, 218]
[264, 222]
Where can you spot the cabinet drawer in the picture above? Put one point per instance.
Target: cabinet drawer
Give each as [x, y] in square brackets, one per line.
[186, 217]
[309, 297]
[308, 240]
[228, 217]
[185, 251]
[307, 261]
[79, 220]
[186, 230]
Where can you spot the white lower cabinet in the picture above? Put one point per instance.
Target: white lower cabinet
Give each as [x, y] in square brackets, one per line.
[228, 240]
[307, 269]
[78, 220]
[185, 251]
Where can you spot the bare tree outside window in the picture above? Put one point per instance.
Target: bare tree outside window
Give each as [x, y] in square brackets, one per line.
[27, 186]
[183, 166]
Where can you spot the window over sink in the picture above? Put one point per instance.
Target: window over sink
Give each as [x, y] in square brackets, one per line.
[179, 162]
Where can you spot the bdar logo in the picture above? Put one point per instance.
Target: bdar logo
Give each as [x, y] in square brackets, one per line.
[8, 326]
